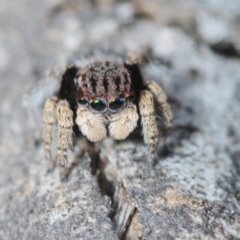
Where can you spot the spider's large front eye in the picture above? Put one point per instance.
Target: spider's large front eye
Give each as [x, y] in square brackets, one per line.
[116, 105]
[82, 101]
[98, 105]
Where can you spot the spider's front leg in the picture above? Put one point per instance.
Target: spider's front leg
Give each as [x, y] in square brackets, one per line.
[65, 124]
[161, 99]
[149, 122]
[49, 120]
[148, 115]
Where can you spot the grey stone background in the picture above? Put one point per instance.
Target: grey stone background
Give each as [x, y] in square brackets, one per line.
[194, 190]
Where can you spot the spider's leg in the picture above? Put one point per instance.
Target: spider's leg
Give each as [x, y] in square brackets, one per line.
[149, 122]
[49, 120]
[65, 133]
[124, 122]
[137, 57]
[145, 56]
[92, 125]
[161, 99]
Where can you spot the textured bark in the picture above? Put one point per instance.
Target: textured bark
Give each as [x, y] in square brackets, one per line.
[193, 191]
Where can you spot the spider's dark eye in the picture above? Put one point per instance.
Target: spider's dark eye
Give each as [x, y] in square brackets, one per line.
[82, 101]
[130, 98]
[116, 104]
[98, 105]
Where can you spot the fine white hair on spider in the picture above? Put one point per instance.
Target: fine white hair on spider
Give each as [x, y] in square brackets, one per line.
[103, 96]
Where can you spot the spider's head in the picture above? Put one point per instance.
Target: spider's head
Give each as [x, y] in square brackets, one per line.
[104, 87]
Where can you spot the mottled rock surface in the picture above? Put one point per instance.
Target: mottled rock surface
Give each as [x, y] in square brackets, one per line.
[193, 192]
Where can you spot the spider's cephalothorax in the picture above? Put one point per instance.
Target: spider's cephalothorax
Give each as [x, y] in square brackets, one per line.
[104, 98]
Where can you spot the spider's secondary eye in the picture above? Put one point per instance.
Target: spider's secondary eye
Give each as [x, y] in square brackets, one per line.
[130, 98]
[98, 105]
[116, 104]
[82, 101]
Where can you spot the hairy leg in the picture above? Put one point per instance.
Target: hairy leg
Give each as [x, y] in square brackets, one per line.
[148, 120]
[161, 99]
[123, 123]
[65, 124]
[92, 125]
[49, 120]
[137, 57]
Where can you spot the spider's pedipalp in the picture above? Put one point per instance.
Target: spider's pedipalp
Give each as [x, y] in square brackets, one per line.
[65, 124]
[148, 120]
[49, 120]
[123, 123]
[91, 125]
[161, 99]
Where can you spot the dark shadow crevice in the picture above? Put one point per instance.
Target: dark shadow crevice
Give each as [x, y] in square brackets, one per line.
[110, 184]
[226, 49]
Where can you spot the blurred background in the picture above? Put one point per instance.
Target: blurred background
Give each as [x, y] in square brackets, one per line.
[199, 41]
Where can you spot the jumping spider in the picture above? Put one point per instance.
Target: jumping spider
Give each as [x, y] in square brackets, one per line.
[104, 96]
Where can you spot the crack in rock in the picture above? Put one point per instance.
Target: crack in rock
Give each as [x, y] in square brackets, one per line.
[124, 212]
